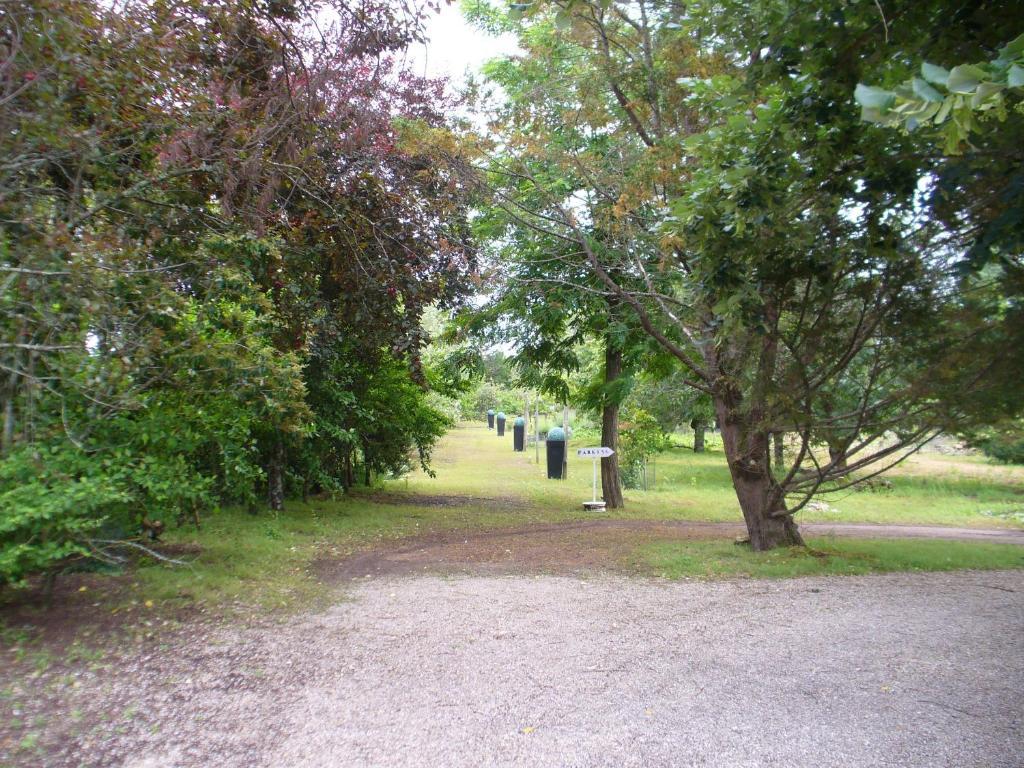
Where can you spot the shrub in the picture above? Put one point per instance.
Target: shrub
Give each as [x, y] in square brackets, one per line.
[1003, 442]
[640, 437]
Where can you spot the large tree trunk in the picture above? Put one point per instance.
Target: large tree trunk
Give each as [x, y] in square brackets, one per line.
[698, 426]
[275, 476]
[756, 489]
[837, 455]
[611, 485]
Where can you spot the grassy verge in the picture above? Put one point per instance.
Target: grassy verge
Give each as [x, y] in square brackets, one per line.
[823, 557]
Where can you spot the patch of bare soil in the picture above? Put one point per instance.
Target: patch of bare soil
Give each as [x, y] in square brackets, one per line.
[586, 546]
[566, 548]
[52, 645]
[80, 606]
[55, 649]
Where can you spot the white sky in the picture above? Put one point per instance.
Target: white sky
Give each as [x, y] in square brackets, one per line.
[455, 47]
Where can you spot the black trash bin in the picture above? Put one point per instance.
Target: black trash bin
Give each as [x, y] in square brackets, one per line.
[490, 419]
[519, 434]
[499, 419]
[556, 452]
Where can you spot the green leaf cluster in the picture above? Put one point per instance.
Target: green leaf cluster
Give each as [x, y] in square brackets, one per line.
[957, 100]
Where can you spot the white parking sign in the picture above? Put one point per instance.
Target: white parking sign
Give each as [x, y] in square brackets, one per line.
[601, 452]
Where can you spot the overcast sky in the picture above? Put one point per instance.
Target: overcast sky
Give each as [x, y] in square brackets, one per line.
[456, 47]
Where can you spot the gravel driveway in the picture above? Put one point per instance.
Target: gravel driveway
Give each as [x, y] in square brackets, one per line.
[889, 670]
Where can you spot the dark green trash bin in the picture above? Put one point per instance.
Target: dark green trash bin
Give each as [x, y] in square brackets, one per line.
[519, 434]
[490, 419]
[556, 452]
[499, 419]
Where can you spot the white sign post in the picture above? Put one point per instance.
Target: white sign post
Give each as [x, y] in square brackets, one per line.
[596, 454]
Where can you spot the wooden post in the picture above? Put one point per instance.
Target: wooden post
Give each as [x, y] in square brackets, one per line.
[536, 430]
[565, 428]
[526, 420]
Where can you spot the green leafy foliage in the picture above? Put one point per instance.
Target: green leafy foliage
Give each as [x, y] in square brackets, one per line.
[706, 167]
[640, 438]
[956, 100]
[1003, 442]
[217, 246]
[52, 501]
[487, 395]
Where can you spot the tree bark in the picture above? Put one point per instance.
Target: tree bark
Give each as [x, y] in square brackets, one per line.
[275, 476]
[837, 455]
[611, 484]
[757, 491]
[778, 450]
[7, 441]
[349, 475]
[698, 427]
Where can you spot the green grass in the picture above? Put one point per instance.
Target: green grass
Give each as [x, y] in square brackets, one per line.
[823, 557]
[264, 561]
[929, 489]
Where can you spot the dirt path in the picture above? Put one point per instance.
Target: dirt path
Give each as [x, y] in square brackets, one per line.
[590, 545]
[885, 670]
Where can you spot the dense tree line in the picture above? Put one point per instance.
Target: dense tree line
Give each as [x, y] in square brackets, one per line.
[220, 225]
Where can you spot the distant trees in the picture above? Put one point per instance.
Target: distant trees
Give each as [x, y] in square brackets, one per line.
[783, 252]
[664, 392]
[217, 239]
[642, 438]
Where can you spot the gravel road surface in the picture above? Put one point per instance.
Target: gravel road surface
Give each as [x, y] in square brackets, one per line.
[885, 670]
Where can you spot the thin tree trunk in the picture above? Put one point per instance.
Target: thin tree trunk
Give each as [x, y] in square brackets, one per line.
[350, 471]
[611, 485]
[778, 450]
[275, 476]
[698, 427]
[7, 441]
[756, 489]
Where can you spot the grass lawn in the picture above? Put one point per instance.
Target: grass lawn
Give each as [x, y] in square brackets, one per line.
[824, 557]
[266, 561]
[929, 489]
